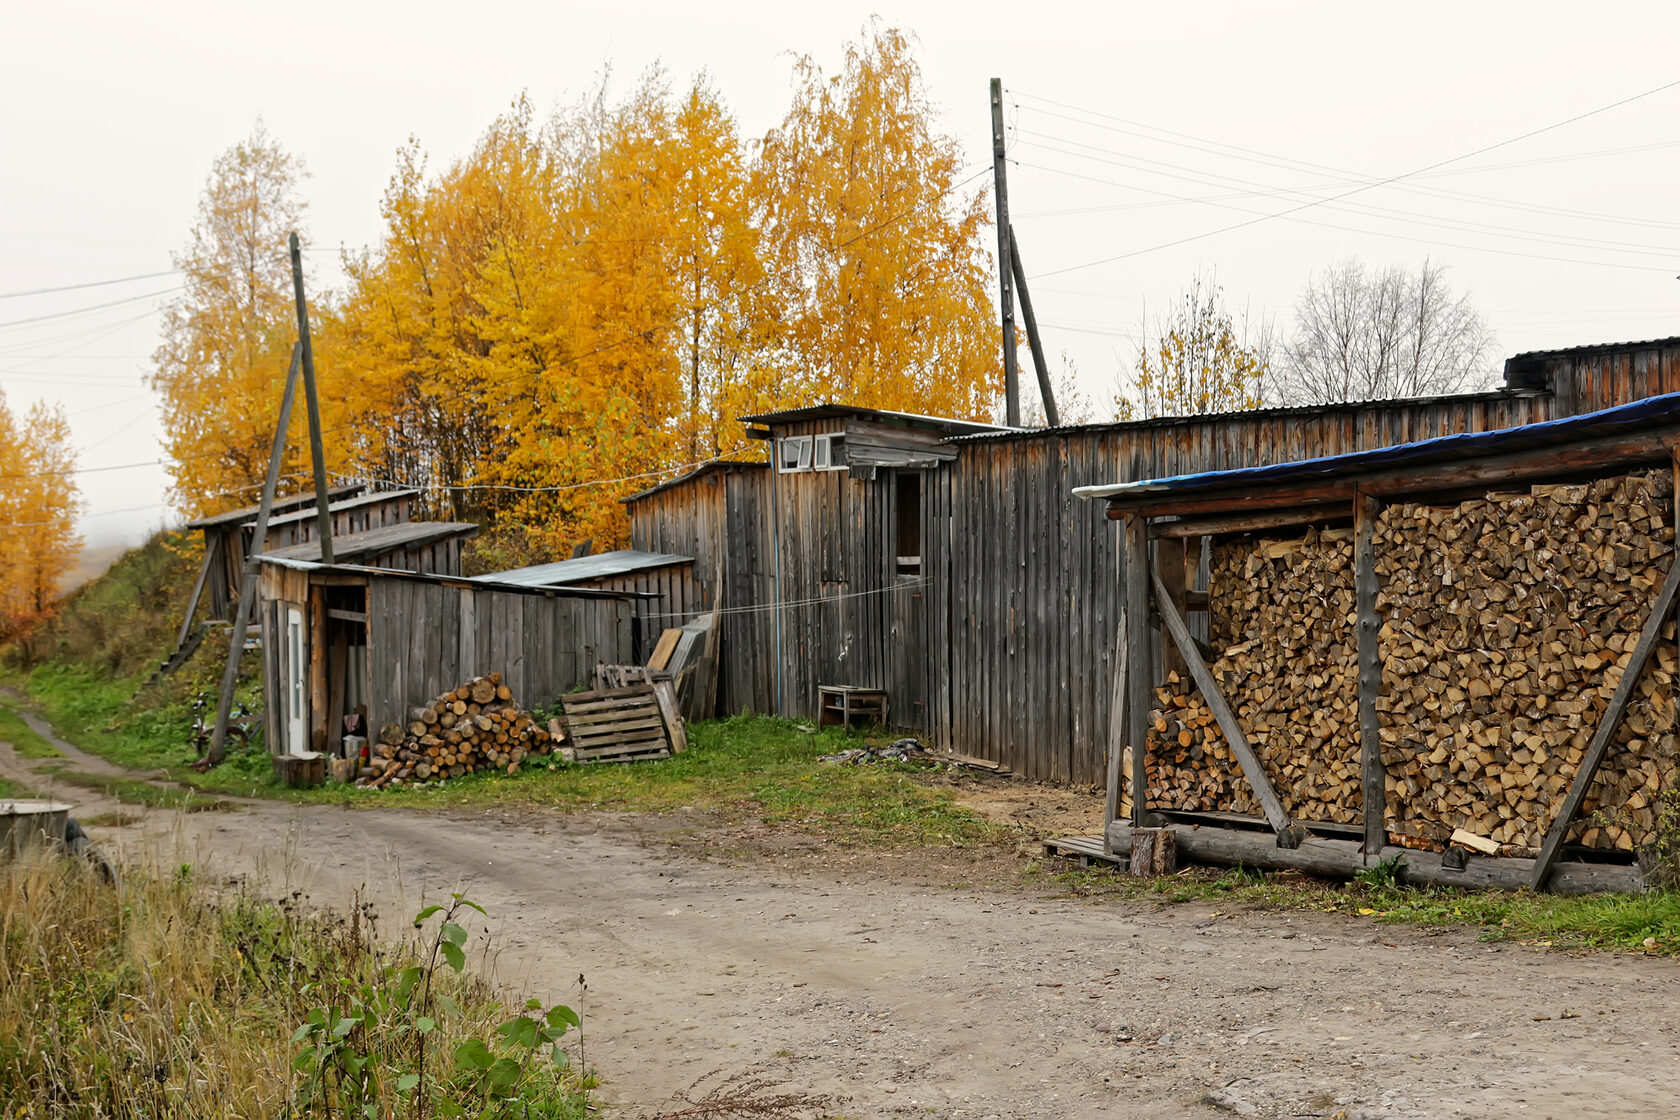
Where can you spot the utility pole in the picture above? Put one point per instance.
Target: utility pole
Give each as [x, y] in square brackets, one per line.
[1011, 375]
[251, 572]
[1040, 363]
[323, 516]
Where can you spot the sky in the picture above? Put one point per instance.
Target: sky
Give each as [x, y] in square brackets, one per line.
[1147, 144]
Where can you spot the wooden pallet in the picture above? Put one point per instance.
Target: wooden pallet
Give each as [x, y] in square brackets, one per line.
[623, 724]
[1087, 850]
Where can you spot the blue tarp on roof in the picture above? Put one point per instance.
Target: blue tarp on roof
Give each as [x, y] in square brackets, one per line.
[1622, 420]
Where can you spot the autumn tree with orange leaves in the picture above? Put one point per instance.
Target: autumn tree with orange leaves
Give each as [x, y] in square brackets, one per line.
[39, 501]
[586, 302]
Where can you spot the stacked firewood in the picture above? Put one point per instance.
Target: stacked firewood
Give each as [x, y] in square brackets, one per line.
[1507, 623]
[1280, 614]
[473, 728]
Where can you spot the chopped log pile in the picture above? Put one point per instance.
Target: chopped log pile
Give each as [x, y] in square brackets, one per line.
[1280, 611]
[1506, 622]
[473, 728]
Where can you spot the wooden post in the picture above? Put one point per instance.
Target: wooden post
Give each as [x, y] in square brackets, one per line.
[1169, 561]
[1006, 298]
[323, 515]
[1660, 610]
[1041, 364]
[253, 567]
[1222, 714]
[1138, 664]
[1365, 510]
[1116, 726]
[316, 636]
[211, 547]
[1154, 852]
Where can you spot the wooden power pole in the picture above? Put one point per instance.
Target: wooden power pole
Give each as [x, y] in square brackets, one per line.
[1006, 294]
[323, 515]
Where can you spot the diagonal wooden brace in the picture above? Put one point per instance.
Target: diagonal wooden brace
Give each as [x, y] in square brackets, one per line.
[1222, 713]
[1596, 750]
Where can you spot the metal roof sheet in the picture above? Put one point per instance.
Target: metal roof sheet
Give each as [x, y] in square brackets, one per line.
[1623, 419]
[357, 502]
[605, 565]
[1252, 413]
[831, 411]
[281, 504]
[296, 565]
[406, 534]
[1594, 348]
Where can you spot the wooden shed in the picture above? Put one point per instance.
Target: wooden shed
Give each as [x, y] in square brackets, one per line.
[227, 540]
[661, 585]
[352, 515]
[344, 639]
[1476, 629]
[997, 635]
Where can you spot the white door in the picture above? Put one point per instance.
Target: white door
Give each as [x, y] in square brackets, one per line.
[296, 671]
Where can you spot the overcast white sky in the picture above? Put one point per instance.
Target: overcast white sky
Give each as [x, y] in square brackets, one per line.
[1133, 126]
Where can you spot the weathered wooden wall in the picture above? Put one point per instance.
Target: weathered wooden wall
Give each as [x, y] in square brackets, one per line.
[1591, 378]
[666, 596]
[367, 512]
[1036, 573]
[425, 636]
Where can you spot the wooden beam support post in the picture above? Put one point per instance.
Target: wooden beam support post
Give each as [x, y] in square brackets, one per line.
[1596, 750]
[1138, 664]
[210, 550]
[1365, 511]
[1169, 562]
[253, 566]
[1222, 714]
[1116, 725]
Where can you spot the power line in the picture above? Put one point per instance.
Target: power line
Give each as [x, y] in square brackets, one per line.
[95, 307]
[1367, 186]
[90, 284]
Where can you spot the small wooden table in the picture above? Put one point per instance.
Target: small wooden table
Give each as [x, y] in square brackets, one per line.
[845, 703]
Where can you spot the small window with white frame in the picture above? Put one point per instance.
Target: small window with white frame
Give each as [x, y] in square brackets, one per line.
[829, 453]
[793, 453]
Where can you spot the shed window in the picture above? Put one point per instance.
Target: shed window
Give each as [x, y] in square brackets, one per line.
[829, 453]
[793, 453]
[907, 541]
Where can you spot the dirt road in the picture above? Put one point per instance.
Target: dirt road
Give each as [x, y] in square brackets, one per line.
[940, 985]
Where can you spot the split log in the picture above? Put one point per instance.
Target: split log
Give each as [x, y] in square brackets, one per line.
[462, 736]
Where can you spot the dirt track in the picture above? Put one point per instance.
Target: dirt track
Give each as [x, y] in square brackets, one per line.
[890, 981]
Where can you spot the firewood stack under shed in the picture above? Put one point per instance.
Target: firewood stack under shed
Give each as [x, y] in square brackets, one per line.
[1506, 621]
[473, 728]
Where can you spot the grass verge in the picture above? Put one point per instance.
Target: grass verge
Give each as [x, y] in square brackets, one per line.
[1647, 923]
[168, 999]
[24, 741]
[133, 791]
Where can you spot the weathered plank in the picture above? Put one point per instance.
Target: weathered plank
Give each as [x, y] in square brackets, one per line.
[1375, 776]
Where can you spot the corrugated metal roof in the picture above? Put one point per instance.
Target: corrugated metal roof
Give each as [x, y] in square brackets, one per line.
[833, 411]
[585, 568]
[358, 502]
[281, 504]
[407, 534]
[1252, 413]
[1594, 348]
[1624, 419]
[280, 561]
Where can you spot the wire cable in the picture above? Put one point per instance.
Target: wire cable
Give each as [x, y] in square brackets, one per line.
[90, 284]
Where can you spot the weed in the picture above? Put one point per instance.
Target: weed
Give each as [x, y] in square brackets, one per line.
[1659, 856]
[23, 739]
[1384, 874]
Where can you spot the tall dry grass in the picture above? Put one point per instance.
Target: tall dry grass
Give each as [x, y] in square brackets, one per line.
[161, 998]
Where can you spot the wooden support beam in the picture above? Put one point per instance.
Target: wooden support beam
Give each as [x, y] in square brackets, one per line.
[1222, 714]
[1365, 510]
[1138, 664]
[1169, 562]
[1343, 859]
[210, 549]
[1594, 756]
[1536, 465]
[1245, 521]
[1116, 724]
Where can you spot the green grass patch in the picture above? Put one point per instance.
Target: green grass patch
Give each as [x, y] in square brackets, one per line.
[743, 767]
[24, 741]
[10, 789]
[1647, 922]
[131, 791]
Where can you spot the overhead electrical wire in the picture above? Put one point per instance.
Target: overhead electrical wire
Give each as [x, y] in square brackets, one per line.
[89, 284]
[86, 310]
[1362, 188]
